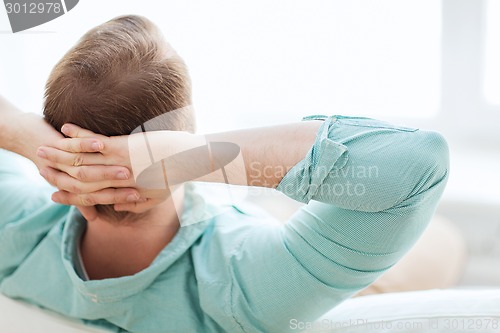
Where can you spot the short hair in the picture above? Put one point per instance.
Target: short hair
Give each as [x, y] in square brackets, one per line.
[118, 76]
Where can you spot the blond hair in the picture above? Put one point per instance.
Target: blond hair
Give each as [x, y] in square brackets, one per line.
[117, 77]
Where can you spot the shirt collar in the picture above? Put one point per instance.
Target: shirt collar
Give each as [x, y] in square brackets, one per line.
[195, 218]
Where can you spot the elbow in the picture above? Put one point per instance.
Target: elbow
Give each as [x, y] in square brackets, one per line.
[429, 156]
[434, 155]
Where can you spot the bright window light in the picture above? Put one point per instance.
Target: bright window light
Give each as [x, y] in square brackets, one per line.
[260, 62]
[492, 72]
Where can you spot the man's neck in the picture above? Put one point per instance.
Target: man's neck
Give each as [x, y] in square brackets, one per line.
[111, 250]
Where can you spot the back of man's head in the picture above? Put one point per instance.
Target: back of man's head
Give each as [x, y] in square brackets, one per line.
[117, 77]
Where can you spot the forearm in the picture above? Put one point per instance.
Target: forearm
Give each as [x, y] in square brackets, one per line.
[22, 133]
[255, 157]
[269, 152]
[8, 113]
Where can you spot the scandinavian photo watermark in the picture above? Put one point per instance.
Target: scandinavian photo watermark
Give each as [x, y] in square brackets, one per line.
[458, 324]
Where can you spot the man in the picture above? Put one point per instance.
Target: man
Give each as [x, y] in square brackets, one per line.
[218, 267]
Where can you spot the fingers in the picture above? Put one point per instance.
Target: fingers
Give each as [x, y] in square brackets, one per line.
[85, 145]
[75, 131]
[97, 173]
[62, 157]
[65, 182]
[154, 198]
[107, 196]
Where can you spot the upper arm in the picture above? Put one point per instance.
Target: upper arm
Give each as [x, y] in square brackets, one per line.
[368, 165]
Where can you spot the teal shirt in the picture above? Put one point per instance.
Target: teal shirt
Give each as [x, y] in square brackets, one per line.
[370, 190]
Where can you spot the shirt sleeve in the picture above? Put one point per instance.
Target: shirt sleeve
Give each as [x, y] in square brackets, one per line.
[26, 213]
[371, 188]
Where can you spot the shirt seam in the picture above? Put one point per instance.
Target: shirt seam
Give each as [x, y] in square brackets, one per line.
[232, 285]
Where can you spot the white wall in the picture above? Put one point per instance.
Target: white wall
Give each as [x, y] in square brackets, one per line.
[256, 62]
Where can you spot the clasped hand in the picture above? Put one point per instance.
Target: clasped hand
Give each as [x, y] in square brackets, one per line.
[90, 169]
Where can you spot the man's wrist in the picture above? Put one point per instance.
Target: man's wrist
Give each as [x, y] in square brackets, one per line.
[11, 120]
[22, 133]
